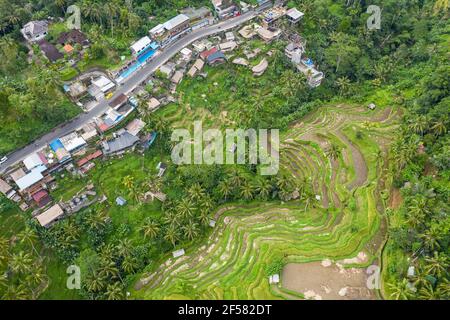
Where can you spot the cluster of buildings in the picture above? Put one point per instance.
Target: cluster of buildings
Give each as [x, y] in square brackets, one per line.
[294, 51]
[35, 32]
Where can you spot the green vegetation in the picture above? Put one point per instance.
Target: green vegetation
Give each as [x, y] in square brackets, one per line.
[382, 176]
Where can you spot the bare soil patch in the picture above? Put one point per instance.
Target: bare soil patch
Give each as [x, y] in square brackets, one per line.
[326, 282]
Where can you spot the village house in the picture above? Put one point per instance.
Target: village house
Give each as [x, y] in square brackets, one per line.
[77, 90]
[6, 189]
[216, 58]
[34, 160]
[41, 198]
[88, 131]
[248, 32]
[230, 36]
[198, 17]
[241, 62]
[177, 77]
[228, 46]
[73, 37]
[270, 16]
[224, 8]
[50, 216]
[140, 46]
[168, 69]
[135, 127]
[186, 54]
[120, 144]
[269, 34]
[198, 66]
[260, 68]
[202, 45]
[35, 31]
[167, 32]
[294, 16]
[153, 104]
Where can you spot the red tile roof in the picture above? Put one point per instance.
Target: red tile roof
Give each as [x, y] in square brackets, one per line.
[205, 54]
[41, 197]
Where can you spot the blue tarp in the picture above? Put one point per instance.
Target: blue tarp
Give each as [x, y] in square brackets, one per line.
[56, 145]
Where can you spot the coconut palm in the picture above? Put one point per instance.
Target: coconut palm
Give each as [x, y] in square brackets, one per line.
[431, 238]
[185, 208]
[204, 217]
[171, 235]
[441, 6]
[107, 253]
[129, 264]
[95, 282]
[28, 236]
[4, 250]
[109, 270]
[114, 291]
[173, 219]
[235, 178]
[225, 188]
[96, 221]
[247, 191]
[190, 230]
[20, 262]
[437, 265]
[150, 228]
[128, 182]
[427, 292]
[196, 192]
[343, 83]
[263, 187]
[439, 128]
[419, 124]
[400, 290]
[16, 292]
[124, 248]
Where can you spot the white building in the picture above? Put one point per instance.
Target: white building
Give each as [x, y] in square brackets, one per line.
[139, 46]
[35, 31]
[294, 15]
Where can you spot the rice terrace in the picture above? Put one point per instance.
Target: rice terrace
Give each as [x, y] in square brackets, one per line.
[231, 152]
[343, 223]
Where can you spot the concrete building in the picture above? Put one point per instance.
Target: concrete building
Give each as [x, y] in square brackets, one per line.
[35, 31]
[224, 8]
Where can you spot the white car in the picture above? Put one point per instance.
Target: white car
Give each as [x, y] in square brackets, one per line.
[3, 160]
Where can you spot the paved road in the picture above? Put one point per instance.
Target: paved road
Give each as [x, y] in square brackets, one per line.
[127, 86]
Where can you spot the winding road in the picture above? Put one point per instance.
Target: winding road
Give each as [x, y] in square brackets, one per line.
[127, 86]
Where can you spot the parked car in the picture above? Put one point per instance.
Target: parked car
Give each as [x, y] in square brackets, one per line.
[3, 160]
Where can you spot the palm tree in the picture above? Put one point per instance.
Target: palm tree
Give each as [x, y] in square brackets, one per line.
[427, 292]
[114, 292]
[441, 6]
[247, 191]
[109, 270]
[439, 128]
[4, 250]
[128, 182]
[28, 236]
[124, 248]
[185, 208]
[95, 283]
[150, 228]
[400, 290]
[236, 178]
[419, 124]
[437, 264]
[196, 192]
[225, 189]
[204, 217]
[190, 230]
[129, 264]
[263, 187]
[171, 235]
[96, 221]
[16, 292]
[431, 238]
[20, 263]
[334, 152]
[343, 83]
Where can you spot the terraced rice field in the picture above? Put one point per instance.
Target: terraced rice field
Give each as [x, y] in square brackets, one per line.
[345, 223]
